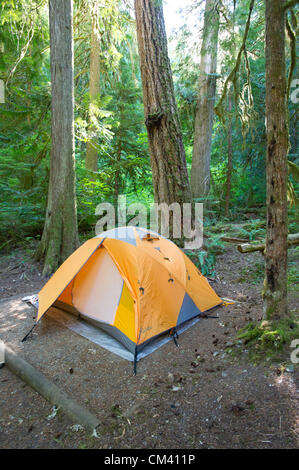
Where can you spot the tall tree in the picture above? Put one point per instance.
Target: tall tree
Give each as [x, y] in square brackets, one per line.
[168, 161]
[230, 126]
[229, 155]
[60, 235]
[91, 160]
[200, 171]
[275, 287]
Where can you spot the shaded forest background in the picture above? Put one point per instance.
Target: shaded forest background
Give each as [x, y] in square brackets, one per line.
[112, 122]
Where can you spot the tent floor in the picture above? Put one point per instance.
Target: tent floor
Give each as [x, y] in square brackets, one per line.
[106, 341]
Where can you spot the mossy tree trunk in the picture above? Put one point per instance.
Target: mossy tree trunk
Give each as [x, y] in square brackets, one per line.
[229, 156]
[91, 160]
[200, 171]
[168, 160]
[60, 235]
[275, 287]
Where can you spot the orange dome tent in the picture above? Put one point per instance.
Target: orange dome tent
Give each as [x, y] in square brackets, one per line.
[131, 282]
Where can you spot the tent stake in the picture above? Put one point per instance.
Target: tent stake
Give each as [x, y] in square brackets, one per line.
[175, 338]
[135, 362]
[30, 331]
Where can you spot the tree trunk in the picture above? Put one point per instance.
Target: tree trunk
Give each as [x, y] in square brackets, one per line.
[60, 235]
[168, 160]
[275, 286]
[91, 161]
[229, 157]
[117, 171]
[200, 171]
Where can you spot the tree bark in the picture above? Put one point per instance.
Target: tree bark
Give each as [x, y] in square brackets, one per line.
[60, 235]
[275, 286]
[91, 161]
[117, 171]
[168, 160]
[229, 157]
[200, 171]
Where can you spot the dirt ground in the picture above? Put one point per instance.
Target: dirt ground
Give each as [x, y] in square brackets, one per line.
[196, 396]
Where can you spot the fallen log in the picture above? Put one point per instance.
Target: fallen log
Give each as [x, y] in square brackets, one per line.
[234, 240]
[293, 240]
[48, 390]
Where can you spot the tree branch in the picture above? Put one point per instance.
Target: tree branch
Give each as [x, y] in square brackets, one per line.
[233, 74]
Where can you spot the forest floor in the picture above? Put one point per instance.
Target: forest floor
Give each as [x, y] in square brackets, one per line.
[208, 393]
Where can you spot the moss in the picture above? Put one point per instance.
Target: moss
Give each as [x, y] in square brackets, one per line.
[268, 339]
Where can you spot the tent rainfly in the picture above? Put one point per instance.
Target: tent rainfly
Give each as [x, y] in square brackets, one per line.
[132, 283]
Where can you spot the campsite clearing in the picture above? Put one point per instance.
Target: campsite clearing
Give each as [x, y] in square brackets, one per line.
[196, 396]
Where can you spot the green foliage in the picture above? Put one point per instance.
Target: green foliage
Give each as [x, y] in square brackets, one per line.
[293, 277]
[25, 130]
[249, 139]
[293, 182]
[205, 259]
[293, 270]
[256, 229]
[118, 117]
